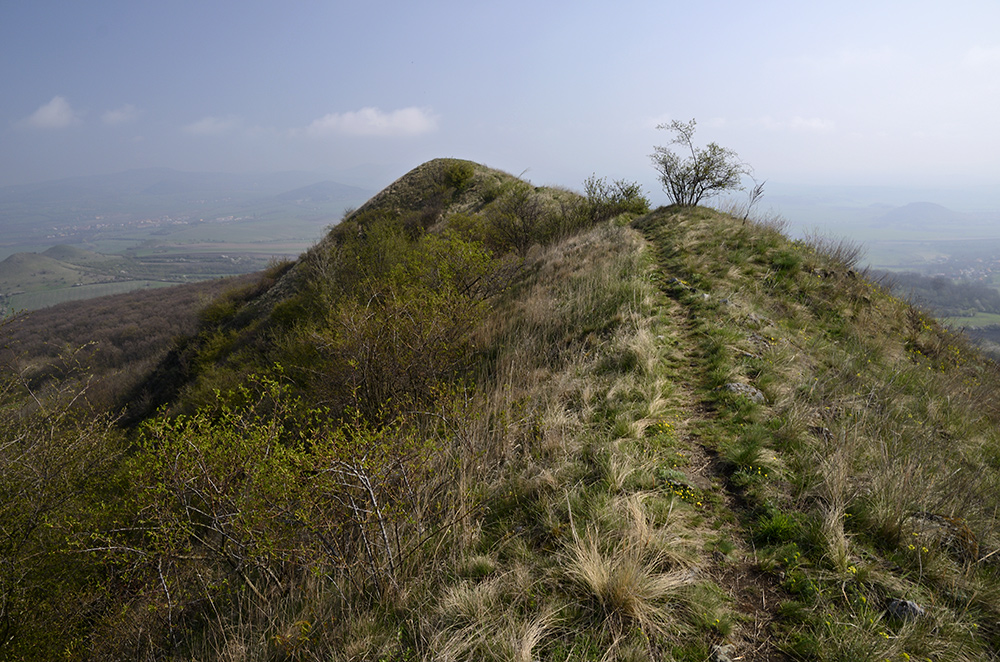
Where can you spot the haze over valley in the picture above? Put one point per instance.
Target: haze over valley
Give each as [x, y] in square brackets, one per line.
[91, 236]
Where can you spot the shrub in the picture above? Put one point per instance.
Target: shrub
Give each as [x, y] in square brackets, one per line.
[518, 219]
[401, 331]
[706, 172]
[459, 175]
[605, 201]
[253, 495]
[469, 227]
[57, 462]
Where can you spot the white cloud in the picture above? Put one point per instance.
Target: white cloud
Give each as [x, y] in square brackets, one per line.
[56, 114]
[374, 122]
[126, 113]
[810, 124]
[213, 126]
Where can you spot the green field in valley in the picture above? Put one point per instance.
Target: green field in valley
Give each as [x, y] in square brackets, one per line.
[46, 298]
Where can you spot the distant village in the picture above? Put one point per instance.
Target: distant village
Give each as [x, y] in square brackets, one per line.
[105, 223]
[978, 270]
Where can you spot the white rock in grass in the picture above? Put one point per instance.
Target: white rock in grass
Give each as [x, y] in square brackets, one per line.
[723, 653]
[904, 610]
[746, 390]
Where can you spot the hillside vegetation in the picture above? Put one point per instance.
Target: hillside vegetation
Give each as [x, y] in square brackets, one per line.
[117, 339]
[31, 281]
[487, 420]
[947, 298]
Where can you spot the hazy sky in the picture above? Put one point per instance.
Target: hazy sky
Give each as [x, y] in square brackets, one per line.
[863, 92]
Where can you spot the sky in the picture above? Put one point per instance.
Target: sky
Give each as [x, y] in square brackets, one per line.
[807, 93]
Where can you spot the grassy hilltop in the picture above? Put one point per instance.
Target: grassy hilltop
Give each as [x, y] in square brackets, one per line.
[487, 420]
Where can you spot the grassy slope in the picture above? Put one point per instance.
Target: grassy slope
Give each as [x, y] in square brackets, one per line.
[661, 513]
[630, 506]
[866, 474]
[23, 271]
[603, 485]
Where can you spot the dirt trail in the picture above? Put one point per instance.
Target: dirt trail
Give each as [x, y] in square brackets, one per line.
[755, 595]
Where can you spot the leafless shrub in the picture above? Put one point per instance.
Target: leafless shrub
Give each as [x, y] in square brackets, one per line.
[840, 250]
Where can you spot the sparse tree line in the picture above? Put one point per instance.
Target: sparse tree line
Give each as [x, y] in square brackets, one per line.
[945, 297]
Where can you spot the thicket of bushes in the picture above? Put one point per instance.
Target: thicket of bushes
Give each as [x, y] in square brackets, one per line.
[117, 338]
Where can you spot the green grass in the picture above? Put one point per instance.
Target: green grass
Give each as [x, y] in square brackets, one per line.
[854, 382]
[33, 281]
[44, 299]
[979, 319]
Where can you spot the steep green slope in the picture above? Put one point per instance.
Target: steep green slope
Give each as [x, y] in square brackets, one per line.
[486, 421]
[23, 271]
[852, 439]
[449, 228]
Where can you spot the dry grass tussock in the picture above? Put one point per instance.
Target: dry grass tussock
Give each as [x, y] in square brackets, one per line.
[486, 621]
[631, 577]
[578, 359]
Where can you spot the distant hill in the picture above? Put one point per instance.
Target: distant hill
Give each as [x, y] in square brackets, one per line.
[322, 192]
[76, 255]
[23, 270]
[921, 216]
[31, 280]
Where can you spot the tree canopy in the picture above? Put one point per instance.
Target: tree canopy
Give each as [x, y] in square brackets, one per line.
[706, 172]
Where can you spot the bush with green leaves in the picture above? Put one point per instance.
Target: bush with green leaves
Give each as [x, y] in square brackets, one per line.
[395, 329]
[459, 175]
[58, 460]
[258, 491]
[518, 218]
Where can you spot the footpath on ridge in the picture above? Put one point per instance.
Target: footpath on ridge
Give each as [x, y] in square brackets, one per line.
[755, 595]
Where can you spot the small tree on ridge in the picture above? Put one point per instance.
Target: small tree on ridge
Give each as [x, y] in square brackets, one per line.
[706, 172]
